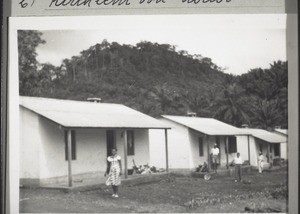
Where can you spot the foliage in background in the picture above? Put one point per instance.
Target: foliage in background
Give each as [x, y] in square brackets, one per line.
[157, 79]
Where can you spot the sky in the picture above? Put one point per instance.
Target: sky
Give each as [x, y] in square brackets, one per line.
[235, 42]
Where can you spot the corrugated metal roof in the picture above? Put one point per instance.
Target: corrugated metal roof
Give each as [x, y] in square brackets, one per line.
[207, 126]
[282, 131]
[81, 114]
[267, 136]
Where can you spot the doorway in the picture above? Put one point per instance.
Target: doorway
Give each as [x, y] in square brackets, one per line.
[110, 141]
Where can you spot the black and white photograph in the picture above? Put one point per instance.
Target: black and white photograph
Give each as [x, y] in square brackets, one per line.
[151, 113]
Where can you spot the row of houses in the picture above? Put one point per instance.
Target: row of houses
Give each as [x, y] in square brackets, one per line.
[60, 139]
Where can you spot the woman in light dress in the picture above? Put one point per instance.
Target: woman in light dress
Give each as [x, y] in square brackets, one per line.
[114, 172]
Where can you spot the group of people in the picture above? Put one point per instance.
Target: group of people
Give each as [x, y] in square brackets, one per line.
[237, 162]
[114, 167]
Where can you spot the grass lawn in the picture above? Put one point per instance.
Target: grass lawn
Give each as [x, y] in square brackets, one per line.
[265, 192]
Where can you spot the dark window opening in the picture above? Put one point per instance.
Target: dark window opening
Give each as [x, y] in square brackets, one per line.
[232, 148]
[201, 146]
[277, 149]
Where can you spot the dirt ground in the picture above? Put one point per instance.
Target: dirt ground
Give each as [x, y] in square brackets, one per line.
[265, 192]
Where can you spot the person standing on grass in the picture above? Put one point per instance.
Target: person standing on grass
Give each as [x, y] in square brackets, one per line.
[238, 161]
[114, 172]
[260, 162]
[214, 156]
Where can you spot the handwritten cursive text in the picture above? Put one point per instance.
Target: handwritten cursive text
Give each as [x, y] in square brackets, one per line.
[70, 2]
[204, 1]
[113, 2]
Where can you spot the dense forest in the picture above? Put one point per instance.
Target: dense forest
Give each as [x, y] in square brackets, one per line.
[157, 79]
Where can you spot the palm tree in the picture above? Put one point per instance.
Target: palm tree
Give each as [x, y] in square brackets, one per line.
[231, 105]
[202, 103]
[277, 78]
[266, 114]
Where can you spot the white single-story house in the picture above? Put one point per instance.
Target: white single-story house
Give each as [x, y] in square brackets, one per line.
[283, 146]
[62, 138]
[266, 142]
[192, 138]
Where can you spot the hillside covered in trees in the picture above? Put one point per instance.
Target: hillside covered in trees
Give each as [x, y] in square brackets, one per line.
[157, 79]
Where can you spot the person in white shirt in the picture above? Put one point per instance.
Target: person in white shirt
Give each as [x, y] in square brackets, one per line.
[260, 162]
[214, 156]
[238, 161]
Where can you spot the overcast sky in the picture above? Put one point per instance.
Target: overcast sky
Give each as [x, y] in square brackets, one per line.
[237, 42]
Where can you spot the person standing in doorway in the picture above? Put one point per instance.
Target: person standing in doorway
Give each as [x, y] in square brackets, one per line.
[114, 172]
[260, 162]
[214, 156]
[238, 161]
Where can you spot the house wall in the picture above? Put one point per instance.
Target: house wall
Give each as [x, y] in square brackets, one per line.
[90, 151]
[30, 142]
[284, 150]
[157, 148]
[141, 144]
[283, 146]
[178, 145]
[242, 146]
[256, 149]
[195, 158]
[183, 147]
[253, 151]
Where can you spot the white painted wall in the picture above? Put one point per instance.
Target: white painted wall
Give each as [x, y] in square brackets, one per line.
[255, 148]
[253, 151]
[141, 144]
[195, 158]
[52, 153]
[178, 146]
[242, 146]
[284, 150]
[90, 150]
[157, 148]
[211, 140]
[29, 144]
